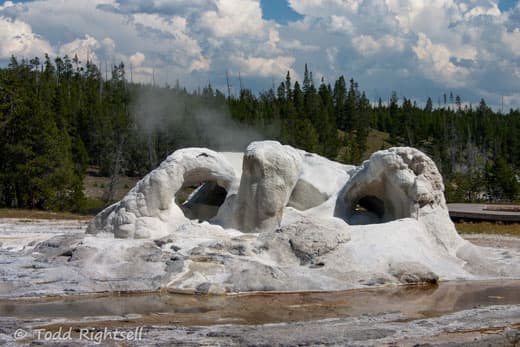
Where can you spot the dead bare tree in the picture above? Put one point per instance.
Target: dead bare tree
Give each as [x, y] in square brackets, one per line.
[115, 171]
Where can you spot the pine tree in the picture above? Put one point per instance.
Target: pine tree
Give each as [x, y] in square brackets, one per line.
[340, 96]
[429, 105]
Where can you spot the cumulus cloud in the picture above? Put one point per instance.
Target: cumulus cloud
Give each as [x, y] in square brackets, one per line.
[435, 61]
[6, 5]
[325, 8]
[419, 48]
[233, 17]
[265, 67]
[137, 59]
[173, 26]
[512, 41]
[17, 38]
[367, 45]
[84, 48]
[202, 64]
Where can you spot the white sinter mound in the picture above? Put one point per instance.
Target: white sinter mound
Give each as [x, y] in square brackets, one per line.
[281, 219]
[149, 209]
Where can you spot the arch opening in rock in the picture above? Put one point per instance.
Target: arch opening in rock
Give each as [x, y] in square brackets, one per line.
[368, 209]
[201, 202]
[376, 202]
[394, 184]
[373, 199]
[373, 204]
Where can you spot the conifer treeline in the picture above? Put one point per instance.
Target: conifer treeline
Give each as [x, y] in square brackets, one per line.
[58, 117]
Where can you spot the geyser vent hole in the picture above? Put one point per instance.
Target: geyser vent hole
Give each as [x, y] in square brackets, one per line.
[368, 210]
[373, 204]
[201, 202]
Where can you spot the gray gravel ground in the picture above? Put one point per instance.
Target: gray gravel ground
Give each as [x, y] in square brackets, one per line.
[489, 326]
[479, 326]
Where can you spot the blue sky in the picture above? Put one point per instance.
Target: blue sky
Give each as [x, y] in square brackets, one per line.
[279, 10]
[418, 48]
[505, 5]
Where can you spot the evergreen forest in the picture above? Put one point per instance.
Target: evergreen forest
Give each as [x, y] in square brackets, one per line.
[61, 117]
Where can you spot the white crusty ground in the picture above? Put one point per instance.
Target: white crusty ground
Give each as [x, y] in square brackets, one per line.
[144, 242]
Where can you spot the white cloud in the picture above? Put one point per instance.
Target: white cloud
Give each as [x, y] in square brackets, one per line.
[6, 5]
[323, 8]
[340, 24]
[173, 26]
[176, 30]
[511, 101]
[201, 64]
[17, 38]
[417, 47]
[512, 41]
[234, 17]
[332, 53]
[297, 45]
[367, 45]
[83, 48]
[490, 10]
[266, 67]
[435, 61]
[137, 59]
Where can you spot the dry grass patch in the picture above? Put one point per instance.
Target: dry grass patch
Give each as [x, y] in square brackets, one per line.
[489, 228]
[503, 208]
[37, 214]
